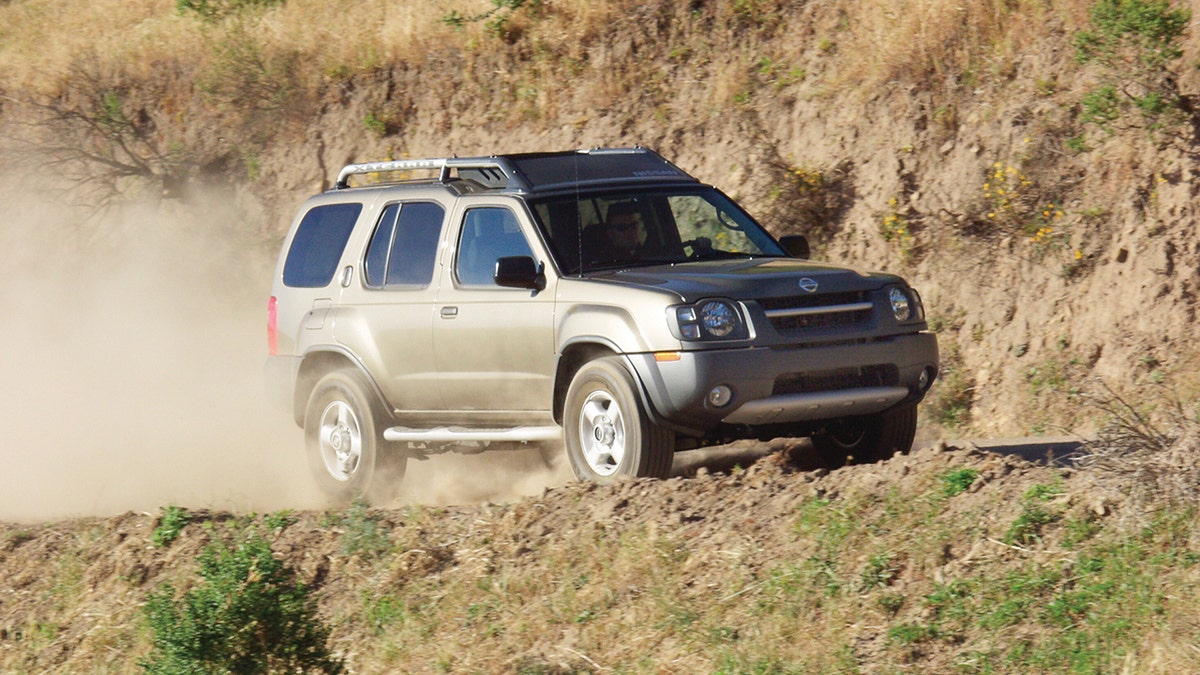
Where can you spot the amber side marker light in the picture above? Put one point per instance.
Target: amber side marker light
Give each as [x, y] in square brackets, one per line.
[667, 356]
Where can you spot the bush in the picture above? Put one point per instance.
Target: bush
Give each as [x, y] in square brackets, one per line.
[1135, 42]
[1133, 33]
[248, 614]
[365, 534]
[170, 525]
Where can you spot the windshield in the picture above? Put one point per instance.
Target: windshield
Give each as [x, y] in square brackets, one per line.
[637, 228]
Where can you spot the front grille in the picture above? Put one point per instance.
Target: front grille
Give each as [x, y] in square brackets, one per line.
[822, 300]
[825, 311]
[882, 375]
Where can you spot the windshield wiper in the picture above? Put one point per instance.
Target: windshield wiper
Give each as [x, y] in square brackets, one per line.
[718, 254]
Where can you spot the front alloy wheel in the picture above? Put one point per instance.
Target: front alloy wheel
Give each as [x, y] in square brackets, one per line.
[606, 428]
[602, 433]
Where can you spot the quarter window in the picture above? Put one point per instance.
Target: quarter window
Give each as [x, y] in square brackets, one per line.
[318, 244]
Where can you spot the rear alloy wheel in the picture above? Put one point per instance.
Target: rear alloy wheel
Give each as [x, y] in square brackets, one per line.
[606, 429]
[863, 440]
[342, 437]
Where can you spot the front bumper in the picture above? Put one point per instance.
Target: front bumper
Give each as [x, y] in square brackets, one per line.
[677, 390]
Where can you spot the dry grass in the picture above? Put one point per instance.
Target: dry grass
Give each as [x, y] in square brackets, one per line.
[41, 40]
[1150, 445]
[373, 35]
[944, 44]
[619, 44]
[678, 60]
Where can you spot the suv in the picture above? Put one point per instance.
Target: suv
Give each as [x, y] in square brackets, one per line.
[603, 298]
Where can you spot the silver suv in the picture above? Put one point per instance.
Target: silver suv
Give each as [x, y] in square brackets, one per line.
[603, 298]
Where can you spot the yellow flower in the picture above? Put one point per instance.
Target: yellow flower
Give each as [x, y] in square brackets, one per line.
[1078, 254]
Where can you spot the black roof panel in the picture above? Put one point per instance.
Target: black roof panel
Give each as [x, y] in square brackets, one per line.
[556, 170]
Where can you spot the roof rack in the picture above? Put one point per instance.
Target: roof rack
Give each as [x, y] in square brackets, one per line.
[492, 171]
[540, 171]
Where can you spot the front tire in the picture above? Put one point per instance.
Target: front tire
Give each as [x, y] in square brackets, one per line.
[346, 455]
[606, 429]
[864, 440]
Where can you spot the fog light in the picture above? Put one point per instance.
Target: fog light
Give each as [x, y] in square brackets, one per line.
[720, 396]
[926, 378]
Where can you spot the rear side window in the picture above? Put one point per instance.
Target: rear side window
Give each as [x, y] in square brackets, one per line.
[318, 244]
[403, 249]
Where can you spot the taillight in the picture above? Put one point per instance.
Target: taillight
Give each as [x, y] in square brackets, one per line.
[272, 326]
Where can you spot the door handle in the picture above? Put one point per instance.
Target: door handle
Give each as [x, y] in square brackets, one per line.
[449, 312]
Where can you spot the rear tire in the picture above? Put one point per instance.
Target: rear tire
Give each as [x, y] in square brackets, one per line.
[606, 429]
[864, 440]
[346, 454]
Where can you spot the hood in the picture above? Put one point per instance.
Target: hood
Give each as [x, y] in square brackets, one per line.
[747, 279]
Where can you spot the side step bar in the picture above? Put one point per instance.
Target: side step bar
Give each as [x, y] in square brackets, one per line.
[463, 434]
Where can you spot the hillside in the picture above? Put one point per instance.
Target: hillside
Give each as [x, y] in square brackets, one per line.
[966, 147]
[949, 560]
[1031, 167]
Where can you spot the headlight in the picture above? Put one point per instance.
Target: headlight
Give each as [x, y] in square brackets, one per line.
[719, 319]
[901, 306]
[710, 319]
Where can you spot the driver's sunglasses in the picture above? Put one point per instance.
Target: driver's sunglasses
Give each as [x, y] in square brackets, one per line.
[623, 227]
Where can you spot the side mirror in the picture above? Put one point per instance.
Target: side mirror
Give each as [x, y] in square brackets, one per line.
[796, 246]
[519, 271]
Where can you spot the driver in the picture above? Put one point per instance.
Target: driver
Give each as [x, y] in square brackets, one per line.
[624, 235]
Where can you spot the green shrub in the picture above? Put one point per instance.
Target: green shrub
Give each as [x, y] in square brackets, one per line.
[1134, 41]
[879, 571]
[911, 633]
[1133, 33]
[1101, 107]
[365, 534]
[1027, 528]
[247, 614]
[956, 481]
[170, 525]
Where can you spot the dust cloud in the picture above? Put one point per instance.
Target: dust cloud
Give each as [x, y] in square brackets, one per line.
[133, 347]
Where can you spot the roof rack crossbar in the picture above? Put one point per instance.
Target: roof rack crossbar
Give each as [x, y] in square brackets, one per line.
[442, 165]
